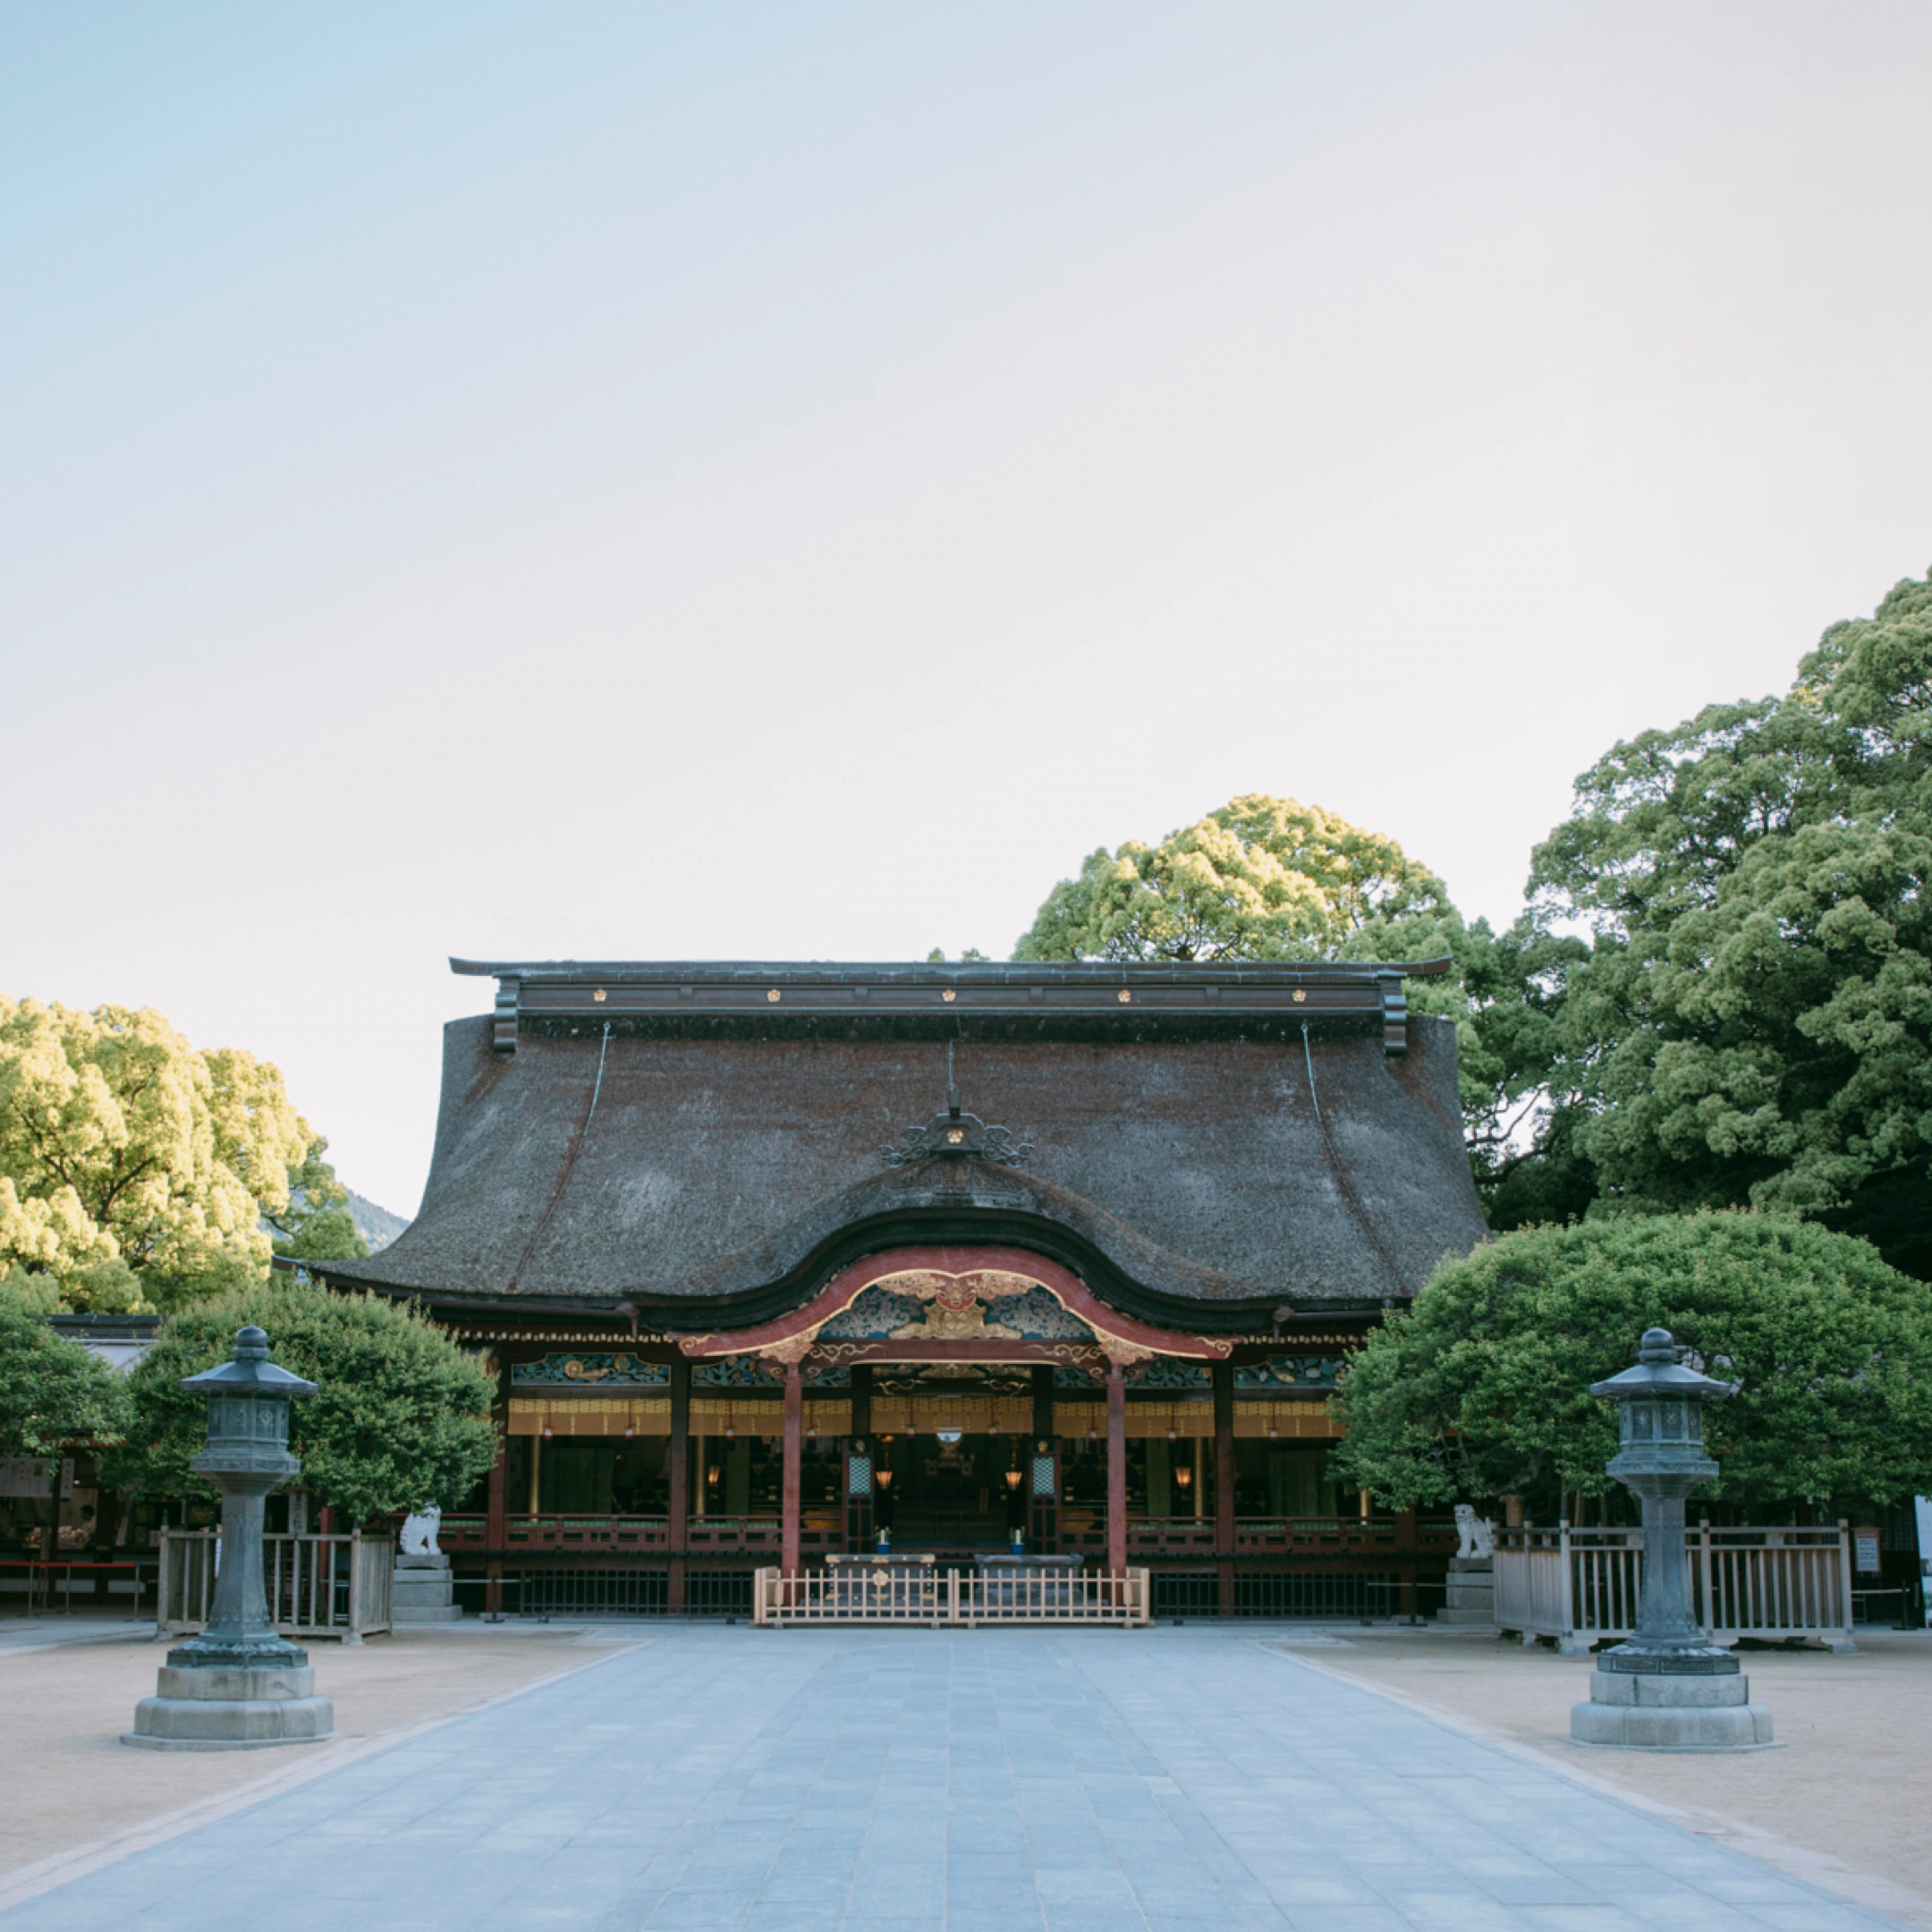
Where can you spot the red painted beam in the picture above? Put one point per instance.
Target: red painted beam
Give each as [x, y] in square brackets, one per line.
[849, 1283]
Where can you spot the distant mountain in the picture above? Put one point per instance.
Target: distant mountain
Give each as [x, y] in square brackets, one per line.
[376, 1225]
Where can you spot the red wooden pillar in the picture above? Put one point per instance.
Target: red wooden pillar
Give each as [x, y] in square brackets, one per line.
[497, 1520]
[1116, 1468]
[677, 1476]
[496, 1530]
[794, 1420]
[1224, 1485]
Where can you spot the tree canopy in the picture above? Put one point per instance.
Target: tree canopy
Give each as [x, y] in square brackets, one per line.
[401, 1417]
[1481, 1388]
[52, 1391]
[137, 1171]
[1752, 1022]
[1259, 878]
[1270, 878]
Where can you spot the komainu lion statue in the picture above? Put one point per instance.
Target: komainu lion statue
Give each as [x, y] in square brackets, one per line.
[1475, 1535]
[420, 1532]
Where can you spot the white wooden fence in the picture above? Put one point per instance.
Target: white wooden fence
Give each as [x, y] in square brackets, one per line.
[911, 1593]
[316, 1586]
[1581, 1586]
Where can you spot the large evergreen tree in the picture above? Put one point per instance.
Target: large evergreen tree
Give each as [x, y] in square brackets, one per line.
[1752, 1022]
[1271, 878]
[139, 1172]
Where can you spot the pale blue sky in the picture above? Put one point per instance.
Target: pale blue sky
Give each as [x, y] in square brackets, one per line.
[789, 480]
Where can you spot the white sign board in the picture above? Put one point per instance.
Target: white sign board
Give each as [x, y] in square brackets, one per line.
[25, 1476]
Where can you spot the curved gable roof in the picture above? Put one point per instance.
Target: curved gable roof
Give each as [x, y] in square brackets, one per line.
[693, 1174]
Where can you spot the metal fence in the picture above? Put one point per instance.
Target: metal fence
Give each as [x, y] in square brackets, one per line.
[316, 1586]
[1276, 1593]
[559, 1592]
[923, 1593]
[1281, 1594]
[1582, 1585]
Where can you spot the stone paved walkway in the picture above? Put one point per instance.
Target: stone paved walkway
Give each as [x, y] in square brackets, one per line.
[913, 1781]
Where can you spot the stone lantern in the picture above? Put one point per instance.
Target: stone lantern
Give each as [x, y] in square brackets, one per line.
[1666, 1688]
[239, 1686]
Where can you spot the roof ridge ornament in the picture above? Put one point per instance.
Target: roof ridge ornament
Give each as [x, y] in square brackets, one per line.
[955, 1135]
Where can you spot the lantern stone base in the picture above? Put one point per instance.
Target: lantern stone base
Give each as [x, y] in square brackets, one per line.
[218, 1708]
[1629, 1710]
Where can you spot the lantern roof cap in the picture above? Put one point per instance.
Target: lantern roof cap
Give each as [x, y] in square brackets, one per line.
[249, 1372]
[1657, 1371]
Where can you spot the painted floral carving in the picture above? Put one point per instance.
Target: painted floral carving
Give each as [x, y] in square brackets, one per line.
[589, 1370]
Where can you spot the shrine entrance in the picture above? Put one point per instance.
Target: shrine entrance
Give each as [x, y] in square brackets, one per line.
[946, 1490]
[953, 1362]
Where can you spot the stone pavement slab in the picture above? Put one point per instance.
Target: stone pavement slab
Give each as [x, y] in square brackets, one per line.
[915, 1780]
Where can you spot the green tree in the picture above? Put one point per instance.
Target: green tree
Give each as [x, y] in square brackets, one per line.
[1269, 879]
[401, 1417]
[1752, 1022]
[1481, 1389]
[52, 1391]
[317, 1223]
[137, 1171]
[1261, 878]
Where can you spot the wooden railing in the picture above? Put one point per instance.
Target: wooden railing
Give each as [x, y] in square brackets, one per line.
[556, 1530]
[1082, 1531]
[819, 1529]
[1258, 1535]
[1581, 1586]
[922, 1593]
[316, 1586]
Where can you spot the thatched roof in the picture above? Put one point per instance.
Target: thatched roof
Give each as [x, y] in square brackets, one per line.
[1192, 1165]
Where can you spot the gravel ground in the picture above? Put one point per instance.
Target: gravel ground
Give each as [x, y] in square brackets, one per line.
[1844, 1804]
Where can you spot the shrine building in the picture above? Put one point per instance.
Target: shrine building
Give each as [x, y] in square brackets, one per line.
[773, 1263]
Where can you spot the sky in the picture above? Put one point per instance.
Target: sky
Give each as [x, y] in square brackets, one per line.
[788, 481]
